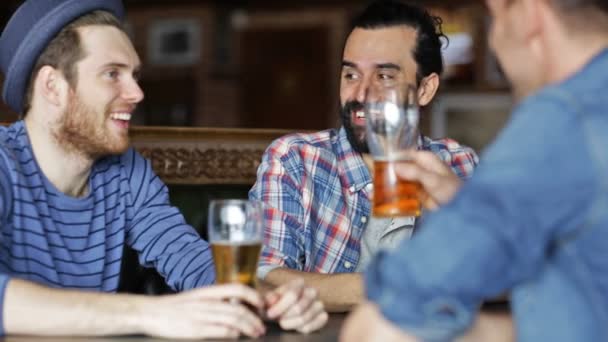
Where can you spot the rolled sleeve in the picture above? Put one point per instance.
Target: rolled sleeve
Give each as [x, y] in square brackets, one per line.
[277, 187]
[263, 270]
[461, 159]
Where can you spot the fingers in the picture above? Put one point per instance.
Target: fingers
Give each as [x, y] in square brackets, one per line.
[272, 298]
[306, 300]
[218, 331]
[199, 318]
[429, 203]
[310, 320]
[437, 179]
[431, 162]
[223, 305]
[297, 308]
[416, 172]
[289, 294]
[317, 323]
[231, 291]
[233, 316]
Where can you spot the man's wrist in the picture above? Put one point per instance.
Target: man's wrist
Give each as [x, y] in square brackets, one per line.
[139, 314]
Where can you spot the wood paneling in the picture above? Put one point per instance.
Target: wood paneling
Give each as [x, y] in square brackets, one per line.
[200, 156]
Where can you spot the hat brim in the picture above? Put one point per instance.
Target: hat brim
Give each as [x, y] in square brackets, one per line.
[39, 36]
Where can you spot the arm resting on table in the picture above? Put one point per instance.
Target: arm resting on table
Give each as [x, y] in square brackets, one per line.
[37, 310]
[339, 292]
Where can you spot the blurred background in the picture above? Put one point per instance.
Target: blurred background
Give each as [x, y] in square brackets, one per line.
[276, 64]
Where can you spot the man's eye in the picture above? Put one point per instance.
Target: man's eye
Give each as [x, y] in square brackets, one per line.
[113, 74]
[350, 76]
[385, 77]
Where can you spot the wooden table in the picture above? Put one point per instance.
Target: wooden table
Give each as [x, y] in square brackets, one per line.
[494, 325]
[274, 334]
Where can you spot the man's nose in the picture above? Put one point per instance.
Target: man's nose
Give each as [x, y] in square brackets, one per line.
[132, 92]
[362, 91]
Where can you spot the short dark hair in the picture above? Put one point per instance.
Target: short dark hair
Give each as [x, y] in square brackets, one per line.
[65, 50]
[388, 13]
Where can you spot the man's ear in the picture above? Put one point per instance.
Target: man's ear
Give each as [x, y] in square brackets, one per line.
[427, 89]
[534, 24]
[51, 86]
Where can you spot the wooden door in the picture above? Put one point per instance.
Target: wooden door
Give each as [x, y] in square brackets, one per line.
[285, 77]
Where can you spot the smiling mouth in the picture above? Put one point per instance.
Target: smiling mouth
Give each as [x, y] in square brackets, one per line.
[121, 116]
[360, 114]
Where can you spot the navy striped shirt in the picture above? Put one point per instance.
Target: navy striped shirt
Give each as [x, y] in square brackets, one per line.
[65, 242]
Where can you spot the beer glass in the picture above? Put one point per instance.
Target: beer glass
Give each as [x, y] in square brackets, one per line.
[235, 235]
[391, 116]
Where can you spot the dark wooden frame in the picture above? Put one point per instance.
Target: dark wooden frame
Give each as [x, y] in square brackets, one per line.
[200, 156]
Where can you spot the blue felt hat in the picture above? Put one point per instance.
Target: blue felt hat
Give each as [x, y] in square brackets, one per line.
[30, 30]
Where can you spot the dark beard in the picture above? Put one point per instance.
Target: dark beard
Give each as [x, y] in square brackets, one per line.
[355, 135]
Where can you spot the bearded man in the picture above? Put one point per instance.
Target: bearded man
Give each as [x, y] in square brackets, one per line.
[72, 194]
[316, 188]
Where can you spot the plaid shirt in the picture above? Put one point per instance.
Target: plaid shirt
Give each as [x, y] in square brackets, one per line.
[317, 202]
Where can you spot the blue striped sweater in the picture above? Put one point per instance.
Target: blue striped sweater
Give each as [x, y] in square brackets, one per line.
[60, 241]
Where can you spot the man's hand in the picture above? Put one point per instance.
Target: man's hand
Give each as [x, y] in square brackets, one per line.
[296, 307]
[437, 179]
[366, 323]
[210, 312]
[339, 292]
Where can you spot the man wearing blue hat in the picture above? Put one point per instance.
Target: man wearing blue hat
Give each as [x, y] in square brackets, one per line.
[72, 193]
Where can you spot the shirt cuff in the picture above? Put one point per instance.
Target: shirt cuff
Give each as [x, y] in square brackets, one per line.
[4, 279]
[265, 269]
[417, 311]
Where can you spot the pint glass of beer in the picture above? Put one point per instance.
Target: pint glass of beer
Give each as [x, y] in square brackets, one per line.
[235, 235]
[391, 115]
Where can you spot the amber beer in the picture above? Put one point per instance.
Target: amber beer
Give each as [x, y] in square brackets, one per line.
[394, 196]
[236, 262]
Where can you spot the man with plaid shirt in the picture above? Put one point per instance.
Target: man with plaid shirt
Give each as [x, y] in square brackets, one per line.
[316, 188]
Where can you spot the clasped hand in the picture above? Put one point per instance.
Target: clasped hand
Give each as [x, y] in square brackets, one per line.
[219, 311]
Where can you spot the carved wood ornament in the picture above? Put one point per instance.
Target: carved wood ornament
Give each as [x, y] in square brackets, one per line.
[203, 155]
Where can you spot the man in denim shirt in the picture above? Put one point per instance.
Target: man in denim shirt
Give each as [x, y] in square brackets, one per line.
[533, 219]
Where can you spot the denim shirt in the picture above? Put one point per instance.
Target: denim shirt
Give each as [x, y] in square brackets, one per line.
[533, 220]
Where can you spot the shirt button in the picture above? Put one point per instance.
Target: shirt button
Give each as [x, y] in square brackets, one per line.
[363, 219]
[352, 189]
[348, 264]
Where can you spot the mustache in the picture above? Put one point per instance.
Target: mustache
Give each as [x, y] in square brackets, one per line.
[357, 142]
[352, 106]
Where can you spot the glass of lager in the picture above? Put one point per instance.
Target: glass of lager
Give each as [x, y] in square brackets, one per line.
[235, 235]
[391, 118]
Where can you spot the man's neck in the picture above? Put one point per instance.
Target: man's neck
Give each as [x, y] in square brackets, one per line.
[67, 170]
[568, 54]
